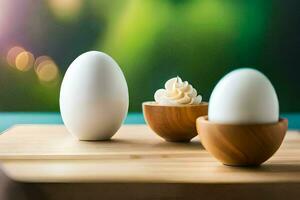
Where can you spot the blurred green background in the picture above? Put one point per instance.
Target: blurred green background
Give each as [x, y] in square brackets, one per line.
[152, 40]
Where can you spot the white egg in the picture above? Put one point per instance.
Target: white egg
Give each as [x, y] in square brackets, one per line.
[244, 96]
[94, 97]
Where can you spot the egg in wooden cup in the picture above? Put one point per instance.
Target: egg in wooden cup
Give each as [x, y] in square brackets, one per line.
[243, 127]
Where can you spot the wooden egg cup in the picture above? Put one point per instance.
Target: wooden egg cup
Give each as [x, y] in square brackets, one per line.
[241, 145]
[174, 123]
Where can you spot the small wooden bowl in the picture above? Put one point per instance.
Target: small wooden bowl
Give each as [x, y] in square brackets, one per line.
[174, 123]
[241, 145]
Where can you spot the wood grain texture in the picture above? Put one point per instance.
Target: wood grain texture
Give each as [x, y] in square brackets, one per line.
[49, 154]
[174, 123]
[241, 145]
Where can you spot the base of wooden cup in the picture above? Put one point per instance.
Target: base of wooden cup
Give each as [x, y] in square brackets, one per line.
[243, 165]
[174, 123]
[178, 141]
[241, 145]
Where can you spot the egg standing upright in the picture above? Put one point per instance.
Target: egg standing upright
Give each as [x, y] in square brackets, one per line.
[244, 96]
[94, 97]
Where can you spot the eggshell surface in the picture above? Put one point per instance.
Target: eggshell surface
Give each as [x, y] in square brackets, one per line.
[94, 97]
[244, 96]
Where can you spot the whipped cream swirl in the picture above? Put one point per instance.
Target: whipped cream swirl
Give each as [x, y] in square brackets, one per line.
[177, 92]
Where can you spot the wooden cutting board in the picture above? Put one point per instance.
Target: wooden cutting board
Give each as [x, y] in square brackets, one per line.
[49, 154]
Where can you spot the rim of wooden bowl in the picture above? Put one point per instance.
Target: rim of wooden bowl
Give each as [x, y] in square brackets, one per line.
[204, 119]
[155, 104]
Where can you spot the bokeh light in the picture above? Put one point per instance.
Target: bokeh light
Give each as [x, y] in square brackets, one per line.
[46, 69]
[65, 9]
[39, 60]
[12, 55]
[24, 61]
